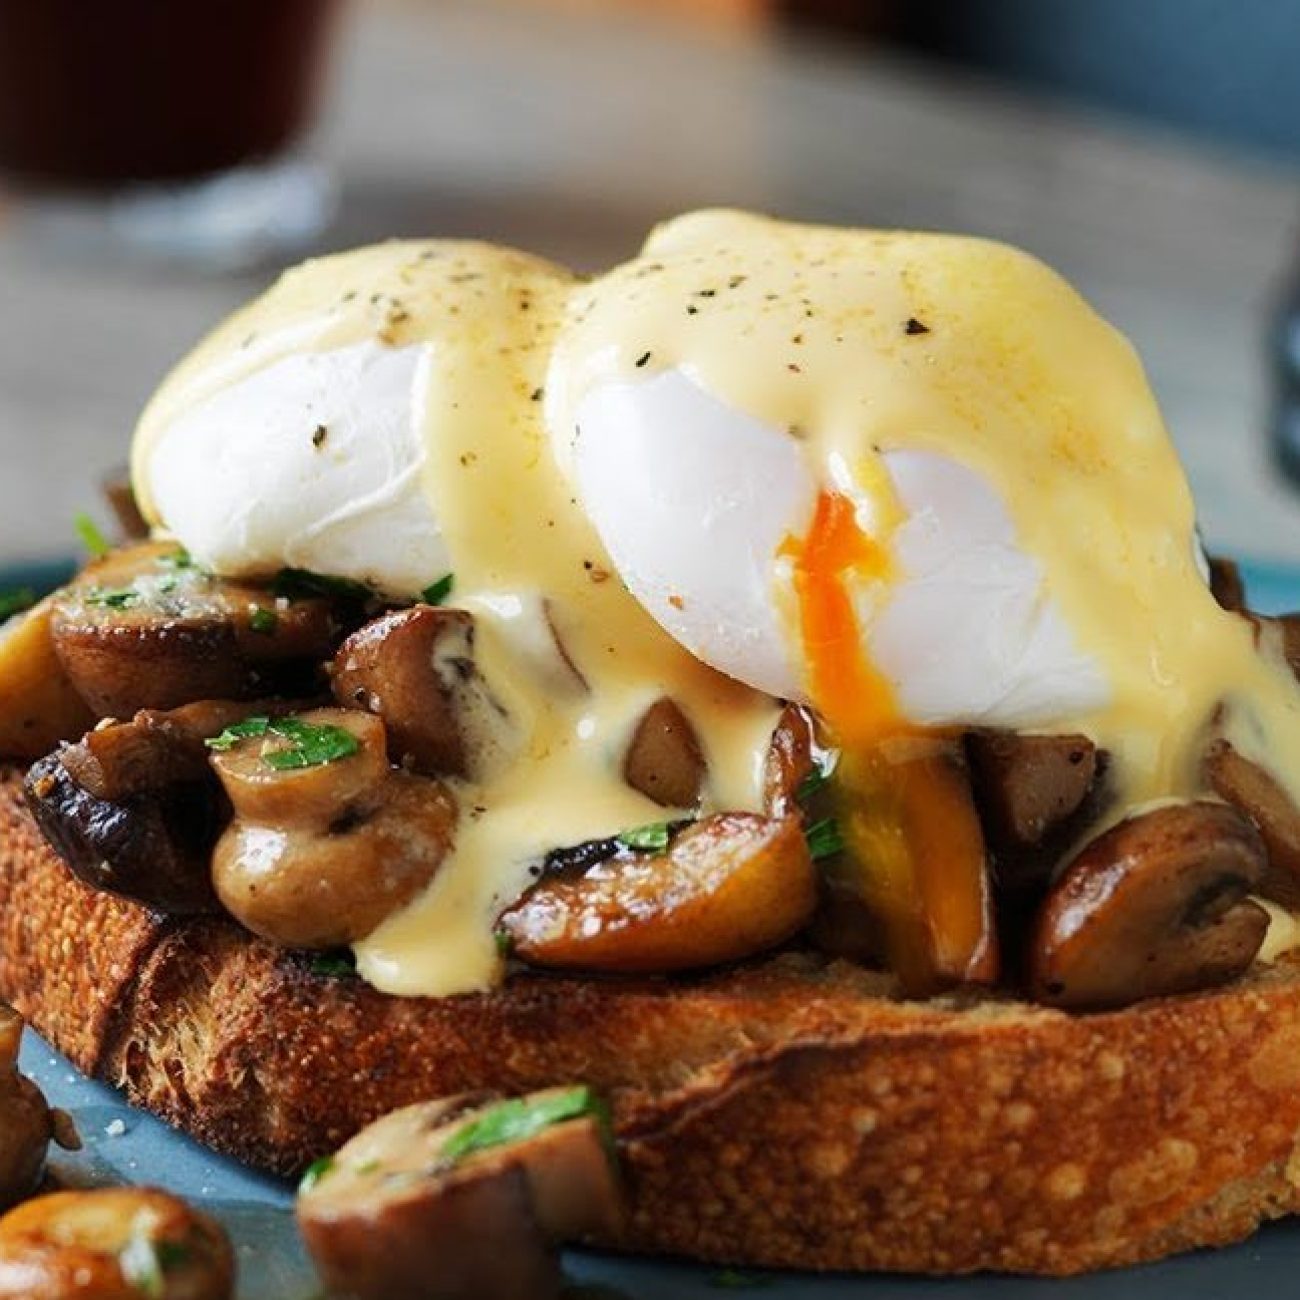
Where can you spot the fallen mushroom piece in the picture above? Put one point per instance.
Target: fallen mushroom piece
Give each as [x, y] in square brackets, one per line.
[725, 888]
[463, 1198]
[795, 764]
[120, 495]
[154, 847]
[27, 1124]
[1252, 791]
[1226, 585]
[39, 705]
[1154, 906]
[115, 1243]
[327, 840]
[663, 759]
[415, 669]
[146, 628]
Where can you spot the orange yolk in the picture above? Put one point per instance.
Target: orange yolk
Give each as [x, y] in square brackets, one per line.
[915, 850]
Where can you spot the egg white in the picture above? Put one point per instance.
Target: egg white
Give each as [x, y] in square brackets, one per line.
[693, 498]
[314, 461]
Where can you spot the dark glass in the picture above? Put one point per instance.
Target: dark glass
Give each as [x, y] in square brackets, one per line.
[100, 94]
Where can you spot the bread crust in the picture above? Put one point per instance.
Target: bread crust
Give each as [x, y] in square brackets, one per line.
[784, 1114]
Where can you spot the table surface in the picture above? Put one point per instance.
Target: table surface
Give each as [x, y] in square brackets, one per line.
[572, 135]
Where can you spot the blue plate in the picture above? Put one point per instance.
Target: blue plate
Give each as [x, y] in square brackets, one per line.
[126, 1145]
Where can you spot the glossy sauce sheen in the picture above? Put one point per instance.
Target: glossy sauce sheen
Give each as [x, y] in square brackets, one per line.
[856, 343]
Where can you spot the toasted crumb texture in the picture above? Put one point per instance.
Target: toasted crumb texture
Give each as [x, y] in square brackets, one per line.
[788, 1114]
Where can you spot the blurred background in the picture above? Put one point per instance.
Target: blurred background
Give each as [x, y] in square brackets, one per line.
[160, 161]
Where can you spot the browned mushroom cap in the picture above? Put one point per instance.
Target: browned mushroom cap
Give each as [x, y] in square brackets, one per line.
[1226, 584]
[145, 628]
[791, 760]
[154, 846]
[415, 669]
[26, 1122]
[1155, 905]
[301, 887]
[252, 767]
[463, 1198]
[664, 760]
[39, 705]
[726, 888]
[116, 1243]
[1251, 790]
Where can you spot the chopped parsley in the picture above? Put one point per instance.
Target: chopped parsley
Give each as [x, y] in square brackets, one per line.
[246, 730]
[113, 598]
[732, 1279]
[146, 1262]
[816, 780]
[652, 838]
[519, 1119]
[310, 744]
[92, 538]
[504, 941]
[333, 965]
[177, 559]
[16, 601]
[303, 584]
[262, 620]
[824, 838]
[437, 592]
[315, 1172]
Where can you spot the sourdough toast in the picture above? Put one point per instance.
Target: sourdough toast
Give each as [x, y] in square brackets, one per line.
[792, 1113]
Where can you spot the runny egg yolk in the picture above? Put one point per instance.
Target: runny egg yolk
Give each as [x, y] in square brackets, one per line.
[916, 852]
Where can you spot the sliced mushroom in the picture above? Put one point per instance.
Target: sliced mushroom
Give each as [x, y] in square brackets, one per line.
[145, 628]
[319, 855]
[925, 879]
[1154, 906]
[462, 1198]
[1035, 795]
[1226, 584]
[116, 1243]
[39, 705]
[664, 760]
[1252, 791]
[727, 887]
[157, 747]
[154, 847]
[415, 669]
[1281, 633]
[792, 757]
[27, 1125]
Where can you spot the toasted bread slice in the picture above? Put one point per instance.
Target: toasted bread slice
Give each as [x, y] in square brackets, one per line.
[791, 1113]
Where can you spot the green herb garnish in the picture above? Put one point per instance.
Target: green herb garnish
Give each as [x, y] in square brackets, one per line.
[824, 839]
[263, 620]
[91, 537]
[177, 559]
[333, 965]
[303, 584]
[651, 838]
[315, 1172]
[732, 1279]
[310, 745]
[437, 592]
[246, 730]
[16, 601]
[504, 941]
[519, 1119]
[145, 1262]
[113, 598]
[822, 771]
